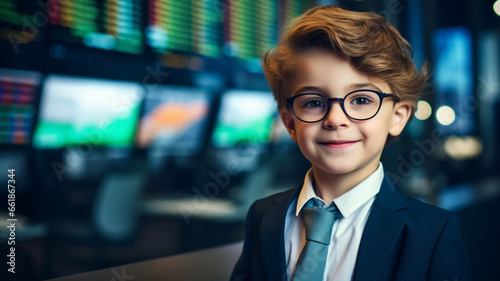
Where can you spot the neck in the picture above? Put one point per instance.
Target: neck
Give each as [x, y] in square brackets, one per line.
[329, 186]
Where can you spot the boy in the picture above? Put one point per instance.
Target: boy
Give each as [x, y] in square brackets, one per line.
[346, 86]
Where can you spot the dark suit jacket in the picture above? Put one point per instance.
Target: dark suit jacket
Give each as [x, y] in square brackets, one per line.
[404, 239]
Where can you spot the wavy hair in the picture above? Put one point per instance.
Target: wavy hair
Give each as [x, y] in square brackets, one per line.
[371, 44]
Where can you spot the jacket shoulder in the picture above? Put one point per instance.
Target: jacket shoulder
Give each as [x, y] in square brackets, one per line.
[426, 210]
[425, 218]
[412, 211]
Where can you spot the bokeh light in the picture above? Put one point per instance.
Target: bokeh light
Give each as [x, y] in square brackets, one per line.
[461, 148]
[424, 110]
[445, 115]
[496, 7]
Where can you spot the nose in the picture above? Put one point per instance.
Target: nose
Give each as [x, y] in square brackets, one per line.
[336, 118]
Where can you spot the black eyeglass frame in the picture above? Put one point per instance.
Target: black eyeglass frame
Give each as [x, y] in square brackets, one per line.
[381, 95]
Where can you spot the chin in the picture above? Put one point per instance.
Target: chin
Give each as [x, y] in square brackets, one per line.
[340, 169]
[343, 167]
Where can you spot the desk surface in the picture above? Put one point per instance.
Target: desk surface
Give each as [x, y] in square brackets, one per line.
[206, 265]
[217, 210]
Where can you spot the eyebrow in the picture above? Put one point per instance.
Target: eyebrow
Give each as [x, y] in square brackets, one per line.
[364, 86]
[308, 89]
[324, 90]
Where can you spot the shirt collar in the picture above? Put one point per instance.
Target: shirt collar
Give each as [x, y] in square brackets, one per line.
[348, 202]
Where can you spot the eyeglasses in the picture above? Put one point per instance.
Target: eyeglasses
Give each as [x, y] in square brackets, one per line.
[357, 105]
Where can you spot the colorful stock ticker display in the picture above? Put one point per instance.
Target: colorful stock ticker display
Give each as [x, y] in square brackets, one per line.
[111, 25]
[17, 105]
[238, 28]
[212, 28]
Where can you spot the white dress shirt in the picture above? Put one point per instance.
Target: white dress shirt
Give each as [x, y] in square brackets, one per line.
[354, 205]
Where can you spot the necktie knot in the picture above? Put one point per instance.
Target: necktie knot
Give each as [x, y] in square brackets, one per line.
[318, 222]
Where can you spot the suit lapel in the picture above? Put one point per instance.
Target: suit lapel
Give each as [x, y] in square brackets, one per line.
[381, 231]
[273, 237]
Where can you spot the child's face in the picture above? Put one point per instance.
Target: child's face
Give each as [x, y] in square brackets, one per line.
[337, 144]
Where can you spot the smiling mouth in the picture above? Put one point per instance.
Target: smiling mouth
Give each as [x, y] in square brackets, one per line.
[338, 144]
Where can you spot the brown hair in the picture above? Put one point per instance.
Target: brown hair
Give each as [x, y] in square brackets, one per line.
[366, 40]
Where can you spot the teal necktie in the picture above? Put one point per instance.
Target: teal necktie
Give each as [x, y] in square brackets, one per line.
[318, 224]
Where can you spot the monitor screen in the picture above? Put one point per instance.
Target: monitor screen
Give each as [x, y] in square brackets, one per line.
[77, 110]
[245, 118]
[108, 25]
[18, 91]
[174, 120]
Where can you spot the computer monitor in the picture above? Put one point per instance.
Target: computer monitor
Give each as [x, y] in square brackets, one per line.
[87, 111]
[107, 25]
[245, 118]
[18, 95]
[174, 120]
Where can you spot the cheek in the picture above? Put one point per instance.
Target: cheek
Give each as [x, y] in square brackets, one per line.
[305, 133]
[375, 134]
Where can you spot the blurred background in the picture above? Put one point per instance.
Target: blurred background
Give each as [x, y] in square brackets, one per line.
[132, 130]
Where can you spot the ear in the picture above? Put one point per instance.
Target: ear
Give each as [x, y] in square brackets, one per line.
[401, 114]
[289, 122]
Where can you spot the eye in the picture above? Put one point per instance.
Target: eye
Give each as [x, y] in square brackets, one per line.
[314, 103]
[361, 100]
